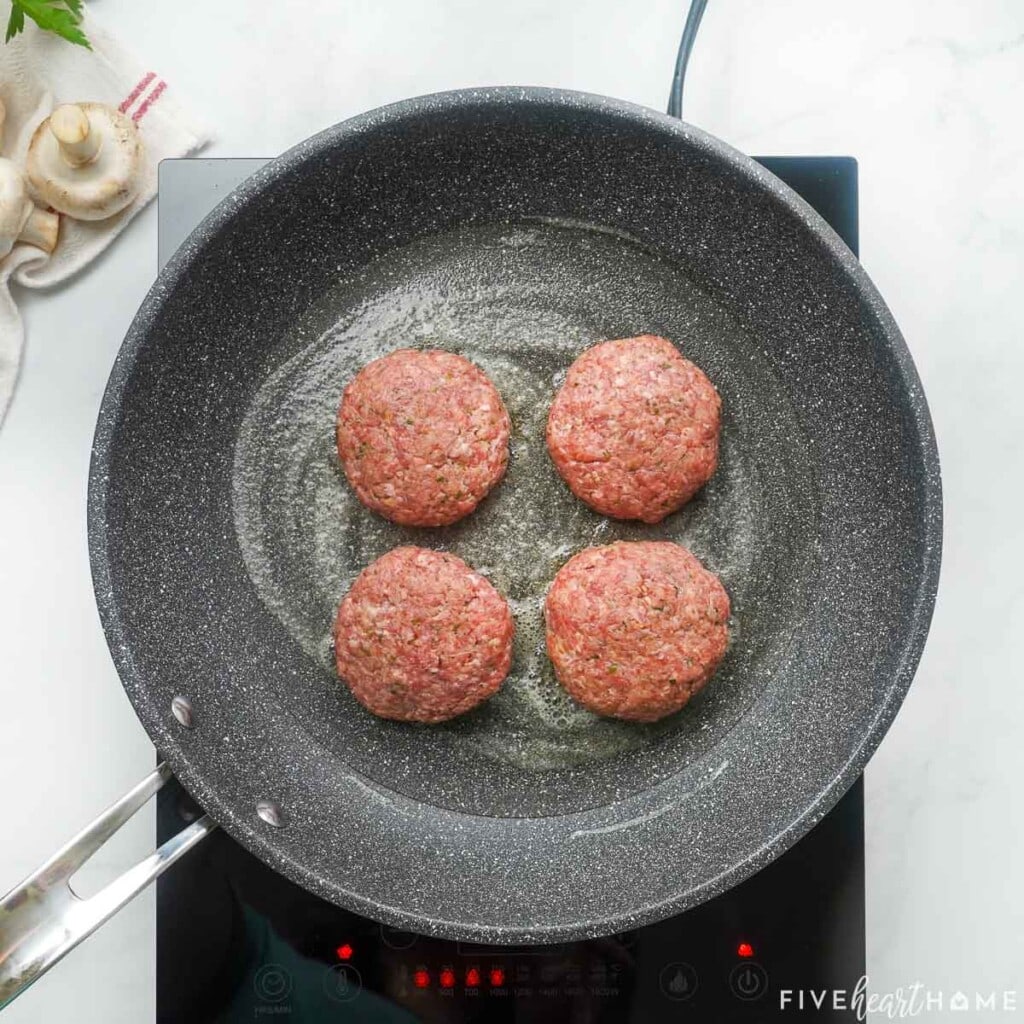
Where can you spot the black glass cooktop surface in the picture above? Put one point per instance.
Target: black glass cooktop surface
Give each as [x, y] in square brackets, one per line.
[237, 942]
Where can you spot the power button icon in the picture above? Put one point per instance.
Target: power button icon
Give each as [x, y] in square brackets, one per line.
[748, 981]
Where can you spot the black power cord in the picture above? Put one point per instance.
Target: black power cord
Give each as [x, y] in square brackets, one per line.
[693, 16]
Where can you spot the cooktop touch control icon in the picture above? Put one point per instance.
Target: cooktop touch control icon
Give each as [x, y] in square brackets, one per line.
[342, 983]
[678, 981]
[272, 983]
[748, 981]
[396, 938]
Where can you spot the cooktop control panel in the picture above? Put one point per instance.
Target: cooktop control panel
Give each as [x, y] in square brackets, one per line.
[237, 942]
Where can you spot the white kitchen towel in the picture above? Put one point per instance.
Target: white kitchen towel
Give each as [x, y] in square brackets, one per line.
[38, 70]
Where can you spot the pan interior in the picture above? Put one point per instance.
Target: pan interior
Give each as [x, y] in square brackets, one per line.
[522, 300]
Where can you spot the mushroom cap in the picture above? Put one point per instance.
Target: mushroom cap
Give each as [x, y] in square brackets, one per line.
[99, 188]
[15, 205]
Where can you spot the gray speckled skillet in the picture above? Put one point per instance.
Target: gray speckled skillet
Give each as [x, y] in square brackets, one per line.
[518, 225]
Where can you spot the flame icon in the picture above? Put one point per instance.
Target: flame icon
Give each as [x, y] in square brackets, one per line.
[679, 984]
[678, 981]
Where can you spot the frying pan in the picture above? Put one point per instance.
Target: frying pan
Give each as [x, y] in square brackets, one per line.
[517, 226]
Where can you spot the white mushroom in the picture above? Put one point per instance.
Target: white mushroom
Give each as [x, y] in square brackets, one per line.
[20, 219]
[85, 160]
[3, 120]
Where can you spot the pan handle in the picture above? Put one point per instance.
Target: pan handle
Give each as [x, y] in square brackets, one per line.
[43, 918]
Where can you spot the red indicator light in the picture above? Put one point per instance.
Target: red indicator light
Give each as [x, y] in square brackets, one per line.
[421, 978]
[447, 978]
[344, 951]
[497, 977]
[472, 977]
[744, 949]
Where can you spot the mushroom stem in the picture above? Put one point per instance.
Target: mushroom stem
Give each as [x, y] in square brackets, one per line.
[3, 120]
[79, 144]
[41, 229]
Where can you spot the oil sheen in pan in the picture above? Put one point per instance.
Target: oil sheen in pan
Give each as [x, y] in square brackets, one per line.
[522, 301]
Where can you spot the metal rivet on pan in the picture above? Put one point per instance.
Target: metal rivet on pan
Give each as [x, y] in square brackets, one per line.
[181, 708]
[271, 812]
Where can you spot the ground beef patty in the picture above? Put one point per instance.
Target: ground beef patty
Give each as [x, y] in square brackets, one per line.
[421, 637]
[634, 630]
[423, 436]
[634, 429]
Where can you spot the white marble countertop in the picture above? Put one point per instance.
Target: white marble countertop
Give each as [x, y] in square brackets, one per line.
[925, 93]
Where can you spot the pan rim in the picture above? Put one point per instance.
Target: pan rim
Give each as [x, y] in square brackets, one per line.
[931, 500]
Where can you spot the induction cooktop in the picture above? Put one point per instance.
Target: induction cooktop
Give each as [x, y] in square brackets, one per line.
[237, 942]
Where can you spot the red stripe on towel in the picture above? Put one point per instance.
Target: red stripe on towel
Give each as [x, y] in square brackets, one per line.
[137, 91]
[149, 101]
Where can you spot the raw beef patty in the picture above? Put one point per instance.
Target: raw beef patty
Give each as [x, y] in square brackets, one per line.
[634, 429]
[422, 436]
[421, 637]
[634, 630]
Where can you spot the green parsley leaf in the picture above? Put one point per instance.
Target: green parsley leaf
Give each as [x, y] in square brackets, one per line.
[61, 17]
[15, 23]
